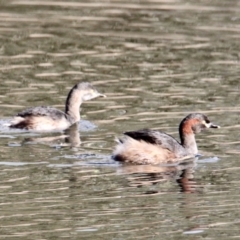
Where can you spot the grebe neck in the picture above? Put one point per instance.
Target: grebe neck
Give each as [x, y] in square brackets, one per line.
[189, 143]
[187, 136]
[73, 103]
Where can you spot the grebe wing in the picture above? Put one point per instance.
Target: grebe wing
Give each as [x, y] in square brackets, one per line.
[41, 111]
[155, 137]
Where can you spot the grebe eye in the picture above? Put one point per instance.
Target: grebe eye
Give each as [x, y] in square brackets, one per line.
[207, 121]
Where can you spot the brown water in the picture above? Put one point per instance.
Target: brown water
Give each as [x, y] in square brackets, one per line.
[156, 61]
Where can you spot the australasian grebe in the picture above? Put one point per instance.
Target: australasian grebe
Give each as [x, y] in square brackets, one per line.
[155, 147]
[51, 119]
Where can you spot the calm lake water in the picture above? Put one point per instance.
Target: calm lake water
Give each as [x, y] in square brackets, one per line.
[157, 61]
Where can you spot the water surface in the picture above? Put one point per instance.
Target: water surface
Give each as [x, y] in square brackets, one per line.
[157, 61]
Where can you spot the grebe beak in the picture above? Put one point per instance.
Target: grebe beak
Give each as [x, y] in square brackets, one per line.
[211, 125]
[101, 95]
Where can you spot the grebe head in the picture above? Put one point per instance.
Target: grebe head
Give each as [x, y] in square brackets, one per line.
[195, 123]
[81, 92]
[88, 91]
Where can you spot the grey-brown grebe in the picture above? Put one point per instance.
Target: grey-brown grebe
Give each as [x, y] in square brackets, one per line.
[155, 147]
[51, 119]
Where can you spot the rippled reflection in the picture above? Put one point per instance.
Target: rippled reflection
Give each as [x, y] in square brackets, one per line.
[144, 175]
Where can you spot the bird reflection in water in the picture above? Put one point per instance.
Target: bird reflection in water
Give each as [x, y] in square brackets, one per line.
[147, 175]
[70, 137]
